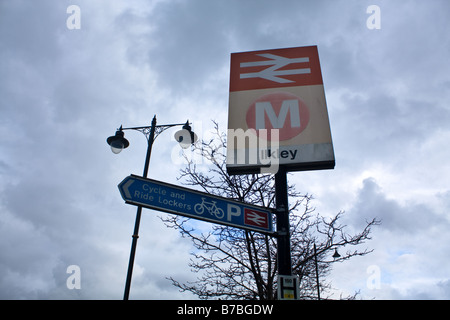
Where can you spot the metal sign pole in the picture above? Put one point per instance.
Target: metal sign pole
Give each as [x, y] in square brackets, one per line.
[282, 208]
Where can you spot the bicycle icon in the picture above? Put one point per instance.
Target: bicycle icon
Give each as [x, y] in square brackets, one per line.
[211, 207]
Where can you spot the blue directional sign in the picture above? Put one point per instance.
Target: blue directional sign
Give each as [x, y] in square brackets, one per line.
[195, 204]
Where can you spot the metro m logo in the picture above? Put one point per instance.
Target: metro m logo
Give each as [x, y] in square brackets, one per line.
[282, 110]
[266, 108]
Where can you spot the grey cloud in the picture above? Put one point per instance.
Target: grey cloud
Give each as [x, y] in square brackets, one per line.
[411, 219]
[64, 91]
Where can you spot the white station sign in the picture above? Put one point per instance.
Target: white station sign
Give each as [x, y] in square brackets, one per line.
[277, 112]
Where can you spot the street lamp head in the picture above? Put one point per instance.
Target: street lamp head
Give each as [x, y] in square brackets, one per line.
[118, 141]
[336, 255]
[186, 136]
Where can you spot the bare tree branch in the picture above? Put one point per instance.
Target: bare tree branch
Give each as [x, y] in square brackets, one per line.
[237, 264]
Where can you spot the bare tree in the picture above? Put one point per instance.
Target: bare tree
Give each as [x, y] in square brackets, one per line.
[239, 264]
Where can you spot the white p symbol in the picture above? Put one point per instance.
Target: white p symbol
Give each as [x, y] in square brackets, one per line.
[233, 211]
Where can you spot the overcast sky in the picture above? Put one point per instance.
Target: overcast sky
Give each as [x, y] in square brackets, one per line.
[64, 91]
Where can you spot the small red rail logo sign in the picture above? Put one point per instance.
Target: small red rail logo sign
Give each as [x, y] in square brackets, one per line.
[256, 218]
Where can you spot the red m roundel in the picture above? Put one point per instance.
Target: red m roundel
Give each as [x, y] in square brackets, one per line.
[280, 110]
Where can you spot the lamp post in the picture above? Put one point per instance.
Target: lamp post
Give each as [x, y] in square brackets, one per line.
[185, 137]
[336, 255]
[317, 272]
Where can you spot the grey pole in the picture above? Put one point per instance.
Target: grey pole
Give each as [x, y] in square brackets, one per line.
[282, 212]
[135, 235]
